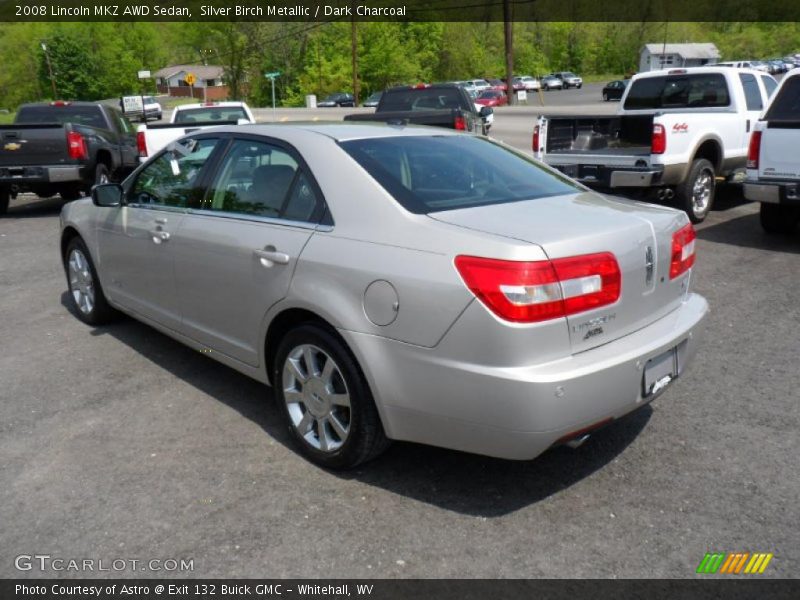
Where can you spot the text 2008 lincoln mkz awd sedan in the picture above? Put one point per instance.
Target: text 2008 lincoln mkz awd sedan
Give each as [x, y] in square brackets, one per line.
[395, 283]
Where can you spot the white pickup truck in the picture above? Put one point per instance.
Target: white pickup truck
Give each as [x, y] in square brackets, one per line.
[676, 132]
[188, 118]
[773, 162]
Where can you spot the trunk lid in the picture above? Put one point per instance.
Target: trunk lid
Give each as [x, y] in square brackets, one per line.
[638, 234]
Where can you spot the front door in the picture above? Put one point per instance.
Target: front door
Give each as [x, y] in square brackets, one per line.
[235, 258]
[135, 240]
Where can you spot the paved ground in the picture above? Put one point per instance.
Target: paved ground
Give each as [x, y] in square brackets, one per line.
[119, 443]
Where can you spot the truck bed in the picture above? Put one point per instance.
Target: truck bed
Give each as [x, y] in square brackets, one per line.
[628, 135]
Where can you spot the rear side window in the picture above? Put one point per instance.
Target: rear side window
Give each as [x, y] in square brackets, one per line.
[678, 91]
[769, 84]
[436, 173]
[786, 105]
[421, 99]
[752, 94]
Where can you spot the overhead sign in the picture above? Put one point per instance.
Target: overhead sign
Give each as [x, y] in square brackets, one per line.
[272, 75]
[132, 104]
[190, 78]
[144, 74]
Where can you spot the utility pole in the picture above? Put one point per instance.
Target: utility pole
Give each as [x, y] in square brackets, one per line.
[50, 69]
[509, 39]
[354, 44]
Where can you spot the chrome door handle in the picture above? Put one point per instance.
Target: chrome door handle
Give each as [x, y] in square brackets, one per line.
[270, 257]
[159, 236]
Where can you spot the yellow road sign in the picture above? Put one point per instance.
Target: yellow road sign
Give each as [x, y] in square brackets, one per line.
[190, 78]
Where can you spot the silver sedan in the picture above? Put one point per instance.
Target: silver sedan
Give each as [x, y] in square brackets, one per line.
[395, 283]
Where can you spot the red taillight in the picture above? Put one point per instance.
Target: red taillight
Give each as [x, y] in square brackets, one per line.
[60, 103]
[76, 146]
[754, 150]
[460, 123]
[536, 139]
[141, 144]
[527, 292]
[682, 251]
[658, 142]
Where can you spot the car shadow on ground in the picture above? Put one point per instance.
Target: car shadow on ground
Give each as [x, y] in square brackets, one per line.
[455, 481]
[746, 231]
[33, 207]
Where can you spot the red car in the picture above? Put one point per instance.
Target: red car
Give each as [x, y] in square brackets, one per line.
[498, 84]
[492, 98]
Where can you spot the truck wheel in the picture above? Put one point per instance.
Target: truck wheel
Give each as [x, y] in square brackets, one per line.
[778, 219]
[696, 193]
[605, 96]
[325, 399]
[101, 174]
[5, 197]
[85, 290]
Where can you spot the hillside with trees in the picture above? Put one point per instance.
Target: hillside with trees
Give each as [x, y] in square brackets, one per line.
[100, 60]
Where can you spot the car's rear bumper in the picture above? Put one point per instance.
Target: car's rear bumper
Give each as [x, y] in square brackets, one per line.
[773, 192]
[425, 396]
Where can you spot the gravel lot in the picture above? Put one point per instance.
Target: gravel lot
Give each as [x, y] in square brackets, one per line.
[121, 443]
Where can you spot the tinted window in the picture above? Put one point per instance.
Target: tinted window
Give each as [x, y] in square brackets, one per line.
[210, 114]
[786, 105]
[264, 180]
[83, 115]
[170, 180]
[678, 91]
[752, 94]
[769, 84]
[421, 99]
[434, 173]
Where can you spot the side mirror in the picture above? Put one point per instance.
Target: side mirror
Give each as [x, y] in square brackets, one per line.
[107, 194]
[486, 111]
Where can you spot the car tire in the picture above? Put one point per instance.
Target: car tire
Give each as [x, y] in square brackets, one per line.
[605, 97]
[5, 199]
[776, 218]
[85, 292]
[696, 193]
[579, 86]
[327, 404]
[101, 174]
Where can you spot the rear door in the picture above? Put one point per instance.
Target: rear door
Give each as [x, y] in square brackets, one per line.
[234, 258]
[754, 103]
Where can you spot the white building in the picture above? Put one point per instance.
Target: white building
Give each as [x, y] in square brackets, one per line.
[666, 56]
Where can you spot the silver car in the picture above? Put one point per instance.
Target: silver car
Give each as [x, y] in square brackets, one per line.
[395, 283]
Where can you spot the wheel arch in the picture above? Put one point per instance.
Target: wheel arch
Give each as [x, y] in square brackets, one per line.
[711, 149]
[67, 235]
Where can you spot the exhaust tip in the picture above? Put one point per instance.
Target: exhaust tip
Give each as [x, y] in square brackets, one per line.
[578, 442]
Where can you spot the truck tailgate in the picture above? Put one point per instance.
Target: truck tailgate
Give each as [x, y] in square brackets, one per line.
[778, 158]
[33, 144]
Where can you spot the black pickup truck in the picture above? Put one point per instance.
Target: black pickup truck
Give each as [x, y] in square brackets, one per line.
[438, 105]
[64, 148]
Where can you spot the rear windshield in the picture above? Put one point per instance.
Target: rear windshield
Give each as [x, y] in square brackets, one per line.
[421, 99]
[210, 114]
[436, 173]
[82, 115]
[678, 91]
[786, 105]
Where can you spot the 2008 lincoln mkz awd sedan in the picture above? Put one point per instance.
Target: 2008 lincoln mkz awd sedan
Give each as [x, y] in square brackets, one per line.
[395, 282]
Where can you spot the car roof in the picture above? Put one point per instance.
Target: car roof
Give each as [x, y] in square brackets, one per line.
[339, 131]
[210, 105]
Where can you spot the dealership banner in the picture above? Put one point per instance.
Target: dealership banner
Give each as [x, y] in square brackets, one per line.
[392, 589]
[400, 10]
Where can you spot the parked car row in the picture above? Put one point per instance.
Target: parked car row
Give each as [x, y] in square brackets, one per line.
[774, 66]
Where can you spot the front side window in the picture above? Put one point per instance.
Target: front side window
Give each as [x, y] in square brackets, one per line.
[769, 84]
[171, 179]
[264, 180]
[434, 173]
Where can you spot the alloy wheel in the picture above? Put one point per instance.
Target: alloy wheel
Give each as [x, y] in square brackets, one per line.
[701, 192]
[81, 283]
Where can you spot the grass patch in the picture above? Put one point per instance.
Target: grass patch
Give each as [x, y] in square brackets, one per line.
[7, 117]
